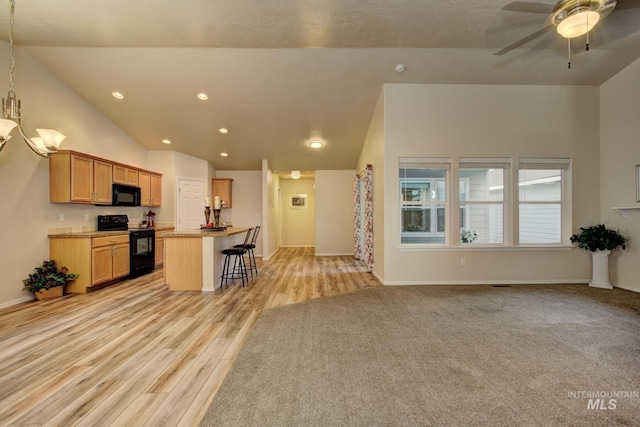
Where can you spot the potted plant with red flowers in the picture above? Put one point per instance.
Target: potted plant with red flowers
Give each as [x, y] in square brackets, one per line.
[48, 282]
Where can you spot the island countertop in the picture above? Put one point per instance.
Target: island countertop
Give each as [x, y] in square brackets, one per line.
[230, 231]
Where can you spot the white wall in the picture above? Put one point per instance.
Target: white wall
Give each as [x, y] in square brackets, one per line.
[26, 215]
[247, 202]
[297, 226]
[490, 121]
[270, 188]
[619, 155]
[334, 212]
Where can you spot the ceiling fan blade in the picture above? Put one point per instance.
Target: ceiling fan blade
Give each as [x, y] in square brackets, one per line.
[528, 7]
[627, 4]
[523, 41]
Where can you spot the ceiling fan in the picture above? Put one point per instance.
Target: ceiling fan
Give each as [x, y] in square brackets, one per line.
[570, 18]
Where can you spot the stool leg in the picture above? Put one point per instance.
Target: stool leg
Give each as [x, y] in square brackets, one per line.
[255, 266]
[225, 271]
[252, 265]
[243, 269]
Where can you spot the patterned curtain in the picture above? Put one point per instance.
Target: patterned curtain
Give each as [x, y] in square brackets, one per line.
[363, 237]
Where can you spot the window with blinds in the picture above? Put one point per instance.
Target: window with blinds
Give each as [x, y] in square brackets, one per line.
[482, 199]
[423, 200]
[542, 205]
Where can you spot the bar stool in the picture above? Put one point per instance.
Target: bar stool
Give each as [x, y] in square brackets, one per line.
[239, 269]
[250, 247]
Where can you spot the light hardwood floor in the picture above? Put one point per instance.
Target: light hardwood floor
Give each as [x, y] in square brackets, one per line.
[136, 354]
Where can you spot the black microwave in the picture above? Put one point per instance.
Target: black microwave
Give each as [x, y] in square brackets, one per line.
[125, 195]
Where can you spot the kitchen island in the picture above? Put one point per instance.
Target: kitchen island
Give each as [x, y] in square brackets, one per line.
[193, 261]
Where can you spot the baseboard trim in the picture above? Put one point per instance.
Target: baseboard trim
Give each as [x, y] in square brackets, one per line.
[487, 282]
[270, 256]
[625, 287]
[16, 301]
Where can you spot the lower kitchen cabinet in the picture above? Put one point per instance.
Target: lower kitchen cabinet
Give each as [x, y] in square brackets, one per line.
[97, 260]
[109, 258]
[159, 255]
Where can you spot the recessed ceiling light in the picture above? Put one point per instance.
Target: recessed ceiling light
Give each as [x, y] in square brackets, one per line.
[224, 154]
[223, 130]
[203, 96]
[166, 141]
[295, 174]
[117, 95]
[316, 143]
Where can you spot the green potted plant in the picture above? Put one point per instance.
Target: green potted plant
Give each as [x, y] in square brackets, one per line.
[47, 282]
[600, 241]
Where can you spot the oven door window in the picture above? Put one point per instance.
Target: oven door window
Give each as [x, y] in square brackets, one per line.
[143, 246]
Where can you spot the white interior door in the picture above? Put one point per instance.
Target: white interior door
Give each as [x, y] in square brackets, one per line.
[190, 203]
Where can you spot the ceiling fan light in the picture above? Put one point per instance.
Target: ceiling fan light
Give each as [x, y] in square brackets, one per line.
[578, 24]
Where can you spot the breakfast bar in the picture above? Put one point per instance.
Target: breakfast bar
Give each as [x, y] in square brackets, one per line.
[193, 261]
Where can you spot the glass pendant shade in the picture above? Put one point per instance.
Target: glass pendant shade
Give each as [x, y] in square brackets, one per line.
[39, 144]
[50, 138]
[6, 126]
[578, 24]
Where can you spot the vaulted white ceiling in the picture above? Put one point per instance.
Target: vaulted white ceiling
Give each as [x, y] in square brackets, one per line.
[279, 72]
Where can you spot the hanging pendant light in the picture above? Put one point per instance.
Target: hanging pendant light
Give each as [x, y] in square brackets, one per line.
[49, 140]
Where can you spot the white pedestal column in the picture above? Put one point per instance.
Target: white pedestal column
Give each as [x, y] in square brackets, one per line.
[600, 267]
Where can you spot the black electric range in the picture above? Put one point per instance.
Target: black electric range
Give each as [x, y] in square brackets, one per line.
[142, 243]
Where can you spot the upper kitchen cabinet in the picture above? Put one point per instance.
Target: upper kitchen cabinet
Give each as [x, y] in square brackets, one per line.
[150, 188]
[77, 178]
[222, 187]
[125, 175]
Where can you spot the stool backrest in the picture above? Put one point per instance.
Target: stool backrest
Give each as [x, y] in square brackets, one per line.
[255, 235]
[248, 236]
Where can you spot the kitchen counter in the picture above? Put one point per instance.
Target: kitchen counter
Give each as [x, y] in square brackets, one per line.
[193, 259]
[94, 233]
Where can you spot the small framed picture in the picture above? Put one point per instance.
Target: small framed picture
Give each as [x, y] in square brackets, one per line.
[298, 201]
[638, 183]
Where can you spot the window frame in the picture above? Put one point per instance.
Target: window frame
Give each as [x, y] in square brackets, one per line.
[511, 202]
[547, 163]
[433, 205]
[503, 163]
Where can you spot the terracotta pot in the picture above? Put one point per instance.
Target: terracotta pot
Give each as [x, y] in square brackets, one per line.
[49, 293]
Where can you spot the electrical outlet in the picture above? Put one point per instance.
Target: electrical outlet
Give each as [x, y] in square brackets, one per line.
[463, 261]
[61, 217]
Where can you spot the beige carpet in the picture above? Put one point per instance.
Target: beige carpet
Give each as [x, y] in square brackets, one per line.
[440, 355]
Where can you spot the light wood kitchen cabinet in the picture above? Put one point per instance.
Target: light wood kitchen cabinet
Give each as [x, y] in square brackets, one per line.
[222, 187]
[76, 178]
[150, 188]
[109, 258]
[159, 254]
[125, 175]
[97, 260]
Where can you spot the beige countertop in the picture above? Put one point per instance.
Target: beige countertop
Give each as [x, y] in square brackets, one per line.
[230, 231]
[90, 234]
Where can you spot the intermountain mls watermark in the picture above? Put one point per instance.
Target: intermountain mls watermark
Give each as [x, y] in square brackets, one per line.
[603, 400]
